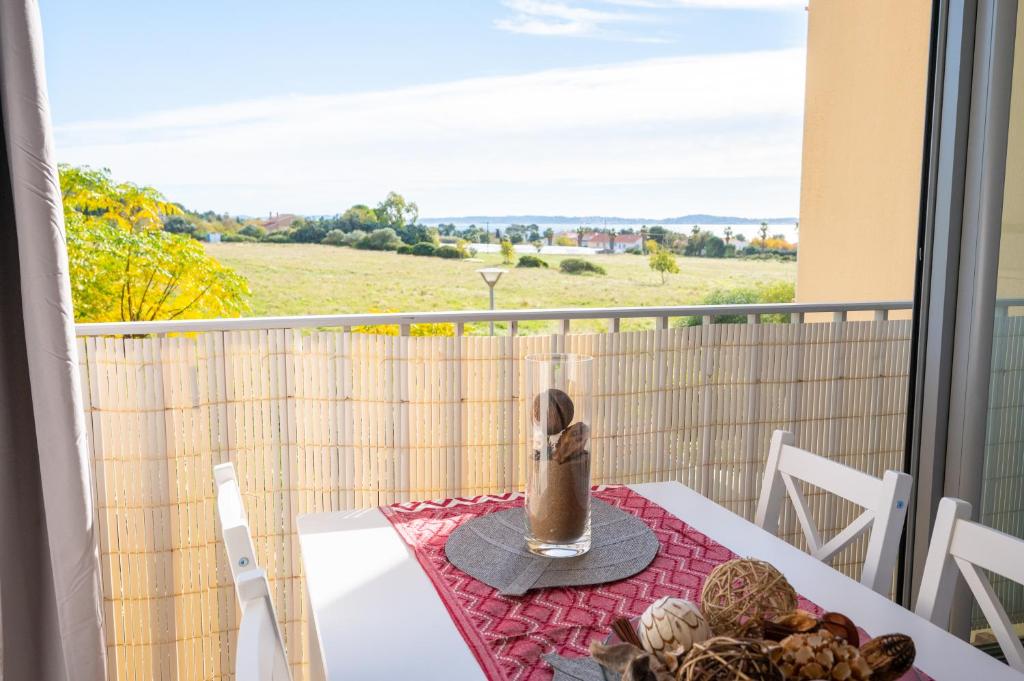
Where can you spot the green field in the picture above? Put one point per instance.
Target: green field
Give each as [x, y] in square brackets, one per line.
[299, 279]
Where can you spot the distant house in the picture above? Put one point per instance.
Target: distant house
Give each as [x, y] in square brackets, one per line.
[278, 221]
[602, 241]
[213, 237]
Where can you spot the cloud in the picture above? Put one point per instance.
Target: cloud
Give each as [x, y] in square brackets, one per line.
[551, 140]
[546, 18]
[556, 18]
[712, 4]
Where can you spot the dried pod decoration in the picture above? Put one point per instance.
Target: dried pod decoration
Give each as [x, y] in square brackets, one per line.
[727, 659]
[820, 655]
[630, 662]
[572, 443]
[840, 625]
[889, 656]
[556, 408]
[744, 591]
[796, 622]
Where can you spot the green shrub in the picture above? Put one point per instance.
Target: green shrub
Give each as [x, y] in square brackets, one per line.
[531, 261]
[335, 237]
[450, 252]
[230, 238]
[255, 231]
[777, 292]
[178, 225]
[636, 250]
[385, 239]
[580, 266]
[307, 233]
[200, 234]
[282, 237]
[424, 248]
[404, 249]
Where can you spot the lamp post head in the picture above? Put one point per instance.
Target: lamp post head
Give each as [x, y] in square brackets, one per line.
[491, 275]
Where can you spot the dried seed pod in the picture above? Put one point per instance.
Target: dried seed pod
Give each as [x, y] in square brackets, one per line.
[820, 655]
[572, 442]
[556, 407]
[796, 622]
[889, 656]
[840, 625]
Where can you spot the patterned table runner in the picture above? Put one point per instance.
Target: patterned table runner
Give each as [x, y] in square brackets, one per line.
[508, 634]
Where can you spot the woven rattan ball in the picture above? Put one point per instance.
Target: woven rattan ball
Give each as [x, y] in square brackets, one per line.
[744, 591]
[722, 658]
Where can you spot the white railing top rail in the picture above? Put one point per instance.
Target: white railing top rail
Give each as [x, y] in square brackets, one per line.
[462, 317]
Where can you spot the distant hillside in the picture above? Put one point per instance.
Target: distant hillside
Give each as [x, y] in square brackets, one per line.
[694, 219]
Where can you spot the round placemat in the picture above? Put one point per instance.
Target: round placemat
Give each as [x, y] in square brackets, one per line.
[492, 548]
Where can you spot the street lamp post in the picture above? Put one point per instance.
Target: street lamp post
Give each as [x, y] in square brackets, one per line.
[491, 275]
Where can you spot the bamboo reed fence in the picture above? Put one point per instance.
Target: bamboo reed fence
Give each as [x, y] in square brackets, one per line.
[320, 420]
[1002, 504]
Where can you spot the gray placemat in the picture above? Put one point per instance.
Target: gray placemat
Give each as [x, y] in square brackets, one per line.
[492, 548]
[578, 669]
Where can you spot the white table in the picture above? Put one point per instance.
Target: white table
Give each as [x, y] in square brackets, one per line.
[371, 603]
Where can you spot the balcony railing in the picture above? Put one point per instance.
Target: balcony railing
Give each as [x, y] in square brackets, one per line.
[317, 418]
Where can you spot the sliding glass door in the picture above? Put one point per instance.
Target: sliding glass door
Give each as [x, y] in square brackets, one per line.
[1002, 483]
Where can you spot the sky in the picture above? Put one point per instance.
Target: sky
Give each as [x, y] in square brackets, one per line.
[632, 108]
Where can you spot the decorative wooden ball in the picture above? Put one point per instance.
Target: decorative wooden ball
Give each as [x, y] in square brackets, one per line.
[889, 656]
[820, 655]
[556, 407]
[672, 625]
[727, 659]
[742, 591]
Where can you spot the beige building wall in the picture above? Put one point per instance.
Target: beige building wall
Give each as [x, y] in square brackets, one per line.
[867, 67]
[1010, 280]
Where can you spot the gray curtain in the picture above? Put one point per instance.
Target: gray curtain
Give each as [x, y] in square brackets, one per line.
[50, 597]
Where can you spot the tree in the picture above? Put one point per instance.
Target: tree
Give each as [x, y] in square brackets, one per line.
[579, 235]
[695, 231]
[728, 235]
[741, 238]
[176, 224]
[549, 234]
[643, 240]
[360, 216]
[508, 252]
[658, 234]
[304, 232]
[662, 260]
[764, 234]
[395, 212]
[538, 244]
[125, 267]
[611, 240]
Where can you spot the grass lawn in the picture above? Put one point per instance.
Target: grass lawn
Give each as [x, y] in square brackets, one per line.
[298, 279]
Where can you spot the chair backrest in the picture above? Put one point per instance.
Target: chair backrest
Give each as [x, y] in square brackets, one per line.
[884, 502]
[260, 653]
[959, 545]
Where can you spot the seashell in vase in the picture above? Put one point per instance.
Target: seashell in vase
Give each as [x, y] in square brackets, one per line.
[672, 626]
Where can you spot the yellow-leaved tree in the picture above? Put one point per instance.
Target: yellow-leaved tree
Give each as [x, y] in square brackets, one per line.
[124, 267]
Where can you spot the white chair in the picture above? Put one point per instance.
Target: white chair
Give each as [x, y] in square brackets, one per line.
[884, 502]
[259, 653]
[959, 545]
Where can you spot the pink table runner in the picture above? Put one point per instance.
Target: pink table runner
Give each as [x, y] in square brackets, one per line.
[508, 635]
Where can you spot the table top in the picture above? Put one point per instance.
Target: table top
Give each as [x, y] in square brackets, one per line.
[371, 603]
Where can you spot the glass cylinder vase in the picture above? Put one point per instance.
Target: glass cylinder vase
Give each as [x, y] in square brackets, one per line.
[558, 417]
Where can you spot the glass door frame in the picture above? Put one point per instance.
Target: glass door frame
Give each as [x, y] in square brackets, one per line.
[962, 203]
